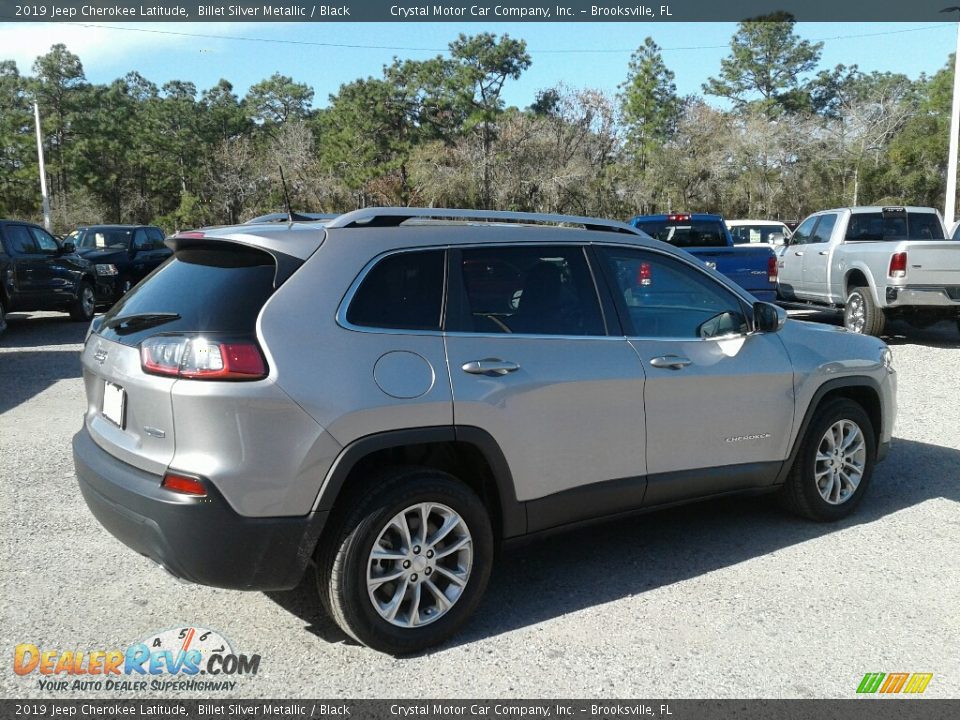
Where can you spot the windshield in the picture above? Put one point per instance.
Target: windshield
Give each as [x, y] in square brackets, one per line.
[106, 238]
[686, 233]
[879, 226]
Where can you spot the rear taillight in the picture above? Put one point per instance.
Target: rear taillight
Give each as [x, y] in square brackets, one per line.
[644, 274]
[772, 271]
[898, 265]
[183, 484]
[199, 358]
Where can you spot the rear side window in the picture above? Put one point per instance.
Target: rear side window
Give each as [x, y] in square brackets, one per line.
[402, 291]
[212, 289]
[686, 233]
[894, 225]
[530, 290]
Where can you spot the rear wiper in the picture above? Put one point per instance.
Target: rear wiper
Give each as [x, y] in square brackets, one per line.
[139, 321]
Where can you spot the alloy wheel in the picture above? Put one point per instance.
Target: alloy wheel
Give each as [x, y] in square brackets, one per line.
[419, 565]
[841, 458]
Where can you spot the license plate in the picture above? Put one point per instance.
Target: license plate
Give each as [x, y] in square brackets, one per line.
[114, 404]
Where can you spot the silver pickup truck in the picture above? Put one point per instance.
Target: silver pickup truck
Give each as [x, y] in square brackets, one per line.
[875, 263]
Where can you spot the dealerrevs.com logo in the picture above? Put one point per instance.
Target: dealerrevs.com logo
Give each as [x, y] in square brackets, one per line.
[185, 659]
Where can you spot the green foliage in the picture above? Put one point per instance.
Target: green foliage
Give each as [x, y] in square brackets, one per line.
[795, 138]
[649, 102]
[766, 65]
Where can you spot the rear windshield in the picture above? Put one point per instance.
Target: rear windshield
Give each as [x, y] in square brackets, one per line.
[686, 233]
[212, 289]
[894, 226]
[106, 238]
[745, 234]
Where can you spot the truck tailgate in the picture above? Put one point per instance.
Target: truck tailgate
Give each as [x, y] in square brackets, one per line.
[748, 266]
[934, 262]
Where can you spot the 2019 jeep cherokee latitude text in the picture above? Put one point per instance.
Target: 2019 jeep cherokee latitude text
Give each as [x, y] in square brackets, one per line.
[392, 394]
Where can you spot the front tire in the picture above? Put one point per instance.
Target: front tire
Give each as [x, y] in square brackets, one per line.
[861, 314]
[408, 565]
[833, 467]
[85, 305]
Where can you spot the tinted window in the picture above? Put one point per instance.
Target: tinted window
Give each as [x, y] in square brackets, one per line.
[19, 240]
[802, 234]
[530, 290]
[664, 298]
[140, 241]
[876, 226]
[212, 289]
[402, 291]
[156, 236]
[824, 229]
[686, 233]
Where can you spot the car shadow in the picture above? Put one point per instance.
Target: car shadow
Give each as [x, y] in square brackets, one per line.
[943, 334]
[26, 370]
[584, 568]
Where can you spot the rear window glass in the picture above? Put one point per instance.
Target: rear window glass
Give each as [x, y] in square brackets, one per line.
[403, 291]
[745, 234]
[689, 233]
[876, 226]
[216, 290]
[102, 238]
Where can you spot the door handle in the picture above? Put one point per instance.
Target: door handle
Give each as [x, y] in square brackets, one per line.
[799, 253]
[674, 362]
[824, 252]
[490, 366]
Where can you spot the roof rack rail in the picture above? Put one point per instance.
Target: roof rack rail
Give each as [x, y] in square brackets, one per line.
[394, 216]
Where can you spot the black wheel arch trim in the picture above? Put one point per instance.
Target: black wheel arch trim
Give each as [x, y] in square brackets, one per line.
[821, 392]
[513, 514]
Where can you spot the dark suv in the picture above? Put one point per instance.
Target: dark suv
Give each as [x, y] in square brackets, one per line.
[39, 273]
[122, 255]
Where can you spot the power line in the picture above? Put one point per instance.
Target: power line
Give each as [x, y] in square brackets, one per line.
[545, 51]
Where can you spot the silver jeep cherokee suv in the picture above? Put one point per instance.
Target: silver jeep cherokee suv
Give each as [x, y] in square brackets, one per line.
[392, 394]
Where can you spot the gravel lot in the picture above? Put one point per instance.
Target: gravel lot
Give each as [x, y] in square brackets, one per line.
[722, 599]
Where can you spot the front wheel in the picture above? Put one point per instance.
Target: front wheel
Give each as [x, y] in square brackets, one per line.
[409, 564]
[833, 467]
[84, 306]
[861, 314]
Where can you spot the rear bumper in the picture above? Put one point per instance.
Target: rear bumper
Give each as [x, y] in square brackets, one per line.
[922, 296]
[765, 295]
[202, 540]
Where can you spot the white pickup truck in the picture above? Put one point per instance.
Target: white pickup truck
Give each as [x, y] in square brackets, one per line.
[875, 263]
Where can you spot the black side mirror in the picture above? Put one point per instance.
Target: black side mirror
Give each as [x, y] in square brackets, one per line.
[68, 247]
[768, 317]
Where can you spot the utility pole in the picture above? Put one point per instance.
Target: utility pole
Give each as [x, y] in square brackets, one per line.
[43, 172]
[950, 202]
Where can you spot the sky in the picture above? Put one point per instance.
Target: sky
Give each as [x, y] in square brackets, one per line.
[327, 55]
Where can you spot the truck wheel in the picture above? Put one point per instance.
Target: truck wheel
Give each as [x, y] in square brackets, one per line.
[3, 317]
[84, 306]
[861, 314]
[408, 565]
[834, 465]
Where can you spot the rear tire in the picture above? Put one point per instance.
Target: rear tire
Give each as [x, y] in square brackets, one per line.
[435, 577]
[85, 306]
[3, 317]
[861, 314]
[833, 467]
